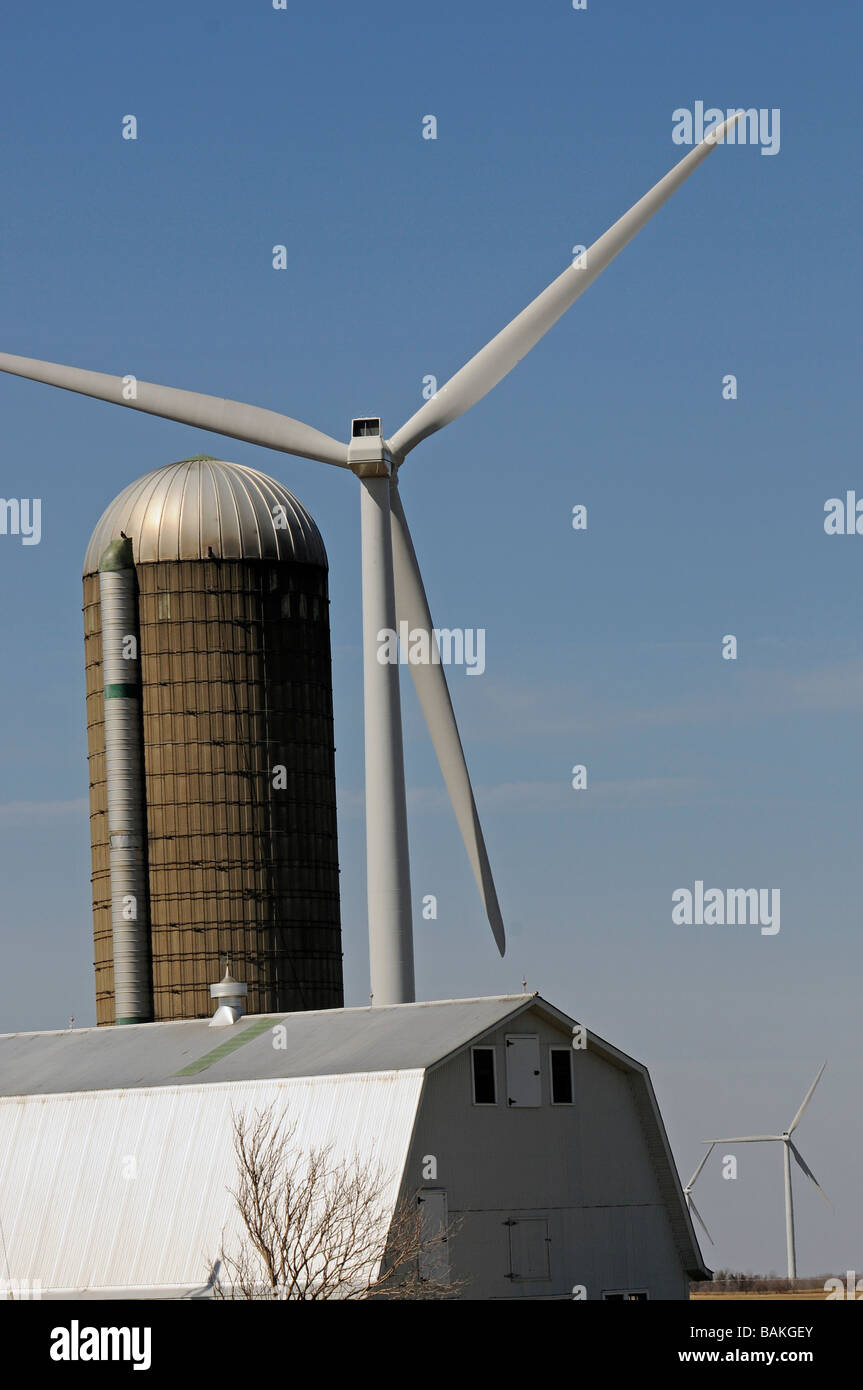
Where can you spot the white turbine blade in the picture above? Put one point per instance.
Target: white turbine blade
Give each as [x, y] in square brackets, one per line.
[746, 1139]
[697, 1214]
[238, 421]
[691, 1182]
[431, 687]
[491, 363]
[808, 1171]
[795, 1122]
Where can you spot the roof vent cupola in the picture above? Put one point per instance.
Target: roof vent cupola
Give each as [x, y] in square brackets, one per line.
[231, 996]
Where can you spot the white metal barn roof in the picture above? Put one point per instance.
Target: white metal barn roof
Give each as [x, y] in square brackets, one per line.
[76, 1218]
[75, 1104]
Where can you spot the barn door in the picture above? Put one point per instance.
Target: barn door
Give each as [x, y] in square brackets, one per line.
[523, 1080]
[529, 1249]
[434, 1252]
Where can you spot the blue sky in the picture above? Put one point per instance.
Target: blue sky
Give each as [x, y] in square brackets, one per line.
[705, 516]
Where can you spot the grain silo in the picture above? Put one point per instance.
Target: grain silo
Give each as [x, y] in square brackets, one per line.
[208, 581]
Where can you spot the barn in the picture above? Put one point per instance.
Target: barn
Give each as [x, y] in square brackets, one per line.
[548, 1160]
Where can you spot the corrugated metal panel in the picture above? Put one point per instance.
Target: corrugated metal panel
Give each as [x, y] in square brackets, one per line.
[328, 1042]
[74, 1219]
[100, 879]
[182, 510]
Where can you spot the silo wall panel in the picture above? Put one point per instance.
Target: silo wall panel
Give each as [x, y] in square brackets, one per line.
[236, 680]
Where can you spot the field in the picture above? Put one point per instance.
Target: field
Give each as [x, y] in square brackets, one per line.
[774, 1297]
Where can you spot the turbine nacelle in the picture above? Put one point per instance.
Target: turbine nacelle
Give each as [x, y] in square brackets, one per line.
[368, 453]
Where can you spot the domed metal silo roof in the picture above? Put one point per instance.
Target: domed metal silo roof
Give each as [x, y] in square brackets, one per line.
[182, 511]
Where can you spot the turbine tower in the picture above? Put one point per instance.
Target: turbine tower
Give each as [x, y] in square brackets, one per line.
[392, 585]
[789, 1149]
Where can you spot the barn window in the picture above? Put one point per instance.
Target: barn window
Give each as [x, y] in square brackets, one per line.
[625, 1295]
[484, 1076]
[561, 1075]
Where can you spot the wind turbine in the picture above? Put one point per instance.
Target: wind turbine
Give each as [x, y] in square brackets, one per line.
[687, 1192]
[789, 1149]
[392, 585]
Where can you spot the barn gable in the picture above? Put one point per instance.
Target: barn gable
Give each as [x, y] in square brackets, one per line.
[603, 1208]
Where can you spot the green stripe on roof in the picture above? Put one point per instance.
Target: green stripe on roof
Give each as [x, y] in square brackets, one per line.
[226, 1048]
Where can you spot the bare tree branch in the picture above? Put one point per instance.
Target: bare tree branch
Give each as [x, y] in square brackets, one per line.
[318, 1227]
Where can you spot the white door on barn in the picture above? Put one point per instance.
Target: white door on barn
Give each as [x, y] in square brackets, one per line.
[523, 1079]
[434, 1253]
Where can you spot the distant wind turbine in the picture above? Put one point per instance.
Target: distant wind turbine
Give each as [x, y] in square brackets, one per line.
[687, 1192]
[790, 1148]
[392, 586]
